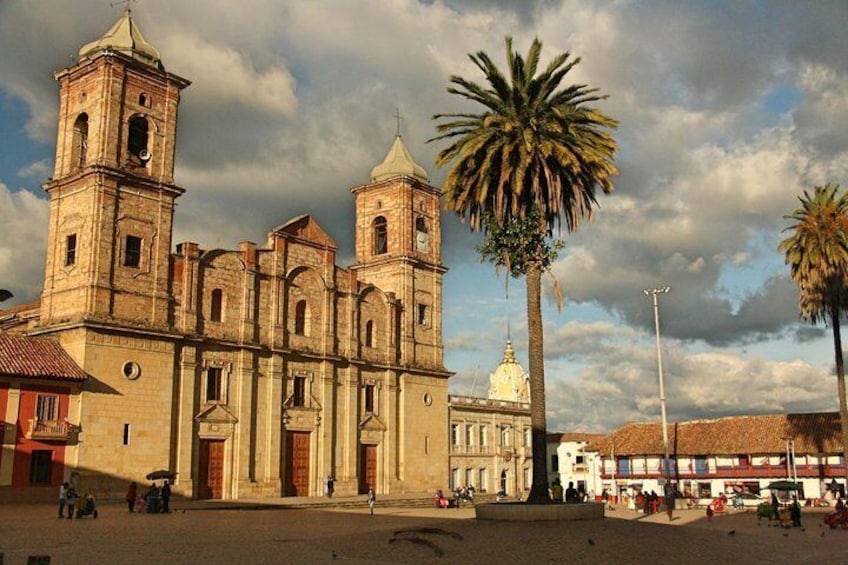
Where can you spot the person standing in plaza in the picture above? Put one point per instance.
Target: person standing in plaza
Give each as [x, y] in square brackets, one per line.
[670, 496]
[556, 491]
[571, 493]
[372, 498]
[152, 498]
[795, 513]
[63, 497]
[165, 494]
[132, 493]
[71, 496]
[775, 506]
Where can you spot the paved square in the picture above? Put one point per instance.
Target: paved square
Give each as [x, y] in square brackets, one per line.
[430, 536]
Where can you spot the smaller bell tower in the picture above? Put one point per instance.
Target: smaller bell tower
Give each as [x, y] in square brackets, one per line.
[398, 249]
[112, 193]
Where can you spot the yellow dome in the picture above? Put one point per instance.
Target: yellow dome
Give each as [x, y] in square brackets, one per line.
[509, 381]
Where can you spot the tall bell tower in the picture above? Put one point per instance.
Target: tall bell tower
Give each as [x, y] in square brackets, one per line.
[398, 249]
[112, 192]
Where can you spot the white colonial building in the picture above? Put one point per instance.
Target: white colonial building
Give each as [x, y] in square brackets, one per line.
[490, 438]
[711, 457]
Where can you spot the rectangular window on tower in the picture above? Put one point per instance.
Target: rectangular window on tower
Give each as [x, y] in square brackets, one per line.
[70, 250]
[422, 314]
[299, 392]
[214, 376]
[132, 251]
[369, 398]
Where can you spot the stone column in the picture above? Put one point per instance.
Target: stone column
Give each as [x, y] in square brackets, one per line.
[187, 379]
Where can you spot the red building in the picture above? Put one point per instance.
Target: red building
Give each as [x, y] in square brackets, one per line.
[40, 389]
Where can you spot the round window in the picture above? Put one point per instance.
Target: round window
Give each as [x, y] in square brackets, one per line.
[428, 399]
[131, 370]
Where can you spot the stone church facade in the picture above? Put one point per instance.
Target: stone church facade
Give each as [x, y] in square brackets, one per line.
[255, 371]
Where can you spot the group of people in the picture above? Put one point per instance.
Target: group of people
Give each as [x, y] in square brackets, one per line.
[70, 500]
[155, 500]
[569, 495]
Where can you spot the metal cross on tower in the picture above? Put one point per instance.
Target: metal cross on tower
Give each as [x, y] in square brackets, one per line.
[398, 117]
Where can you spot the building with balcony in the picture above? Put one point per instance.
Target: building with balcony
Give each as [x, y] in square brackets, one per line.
[490, 438]
[40, 389]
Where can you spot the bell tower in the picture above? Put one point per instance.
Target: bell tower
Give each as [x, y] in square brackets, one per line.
[112, 192]
[398, 249]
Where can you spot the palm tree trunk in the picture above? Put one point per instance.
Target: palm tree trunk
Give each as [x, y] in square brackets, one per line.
[840, 383]
[539, 490]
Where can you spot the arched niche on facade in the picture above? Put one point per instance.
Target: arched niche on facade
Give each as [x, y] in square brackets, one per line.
[374, 320]
[304, 305]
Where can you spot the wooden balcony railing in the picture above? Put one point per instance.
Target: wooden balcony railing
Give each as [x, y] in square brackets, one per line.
[53, 430]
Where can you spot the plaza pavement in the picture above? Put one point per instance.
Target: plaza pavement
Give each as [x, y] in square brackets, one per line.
[273, 532]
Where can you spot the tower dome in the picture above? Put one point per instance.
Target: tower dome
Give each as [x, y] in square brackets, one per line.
[398, 162]
[124, 37]
[509, 381]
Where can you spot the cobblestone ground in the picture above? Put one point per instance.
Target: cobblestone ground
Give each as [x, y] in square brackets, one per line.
[398, 535]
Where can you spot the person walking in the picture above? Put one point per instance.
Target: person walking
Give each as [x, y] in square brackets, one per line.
[132, 494]
[63, 497]
[372, 498]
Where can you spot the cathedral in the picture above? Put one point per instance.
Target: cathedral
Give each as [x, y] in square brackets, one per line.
[248, 372]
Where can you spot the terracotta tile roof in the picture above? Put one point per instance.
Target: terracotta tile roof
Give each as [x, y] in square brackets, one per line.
[812, 433]
[37, 357]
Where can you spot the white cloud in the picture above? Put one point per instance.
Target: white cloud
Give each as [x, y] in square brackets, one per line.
[222, 77]
[23, 236]
[37, 170]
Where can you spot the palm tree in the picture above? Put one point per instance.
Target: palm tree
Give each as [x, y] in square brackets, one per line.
[817, 255]
[535, 153]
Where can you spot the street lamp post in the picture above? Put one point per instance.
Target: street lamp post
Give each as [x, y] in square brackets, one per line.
[654, 292]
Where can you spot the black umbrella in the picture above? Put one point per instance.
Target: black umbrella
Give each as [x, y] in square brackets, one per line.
[160, 474]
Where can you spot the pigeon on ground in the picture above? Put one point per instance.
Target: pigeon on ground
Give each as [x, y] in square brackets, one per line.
[591, 541]
[731, 533]
[335, 555]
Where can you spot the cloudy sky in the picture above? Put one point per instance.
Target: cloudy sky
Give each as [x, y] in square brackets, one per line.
[727, 110]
